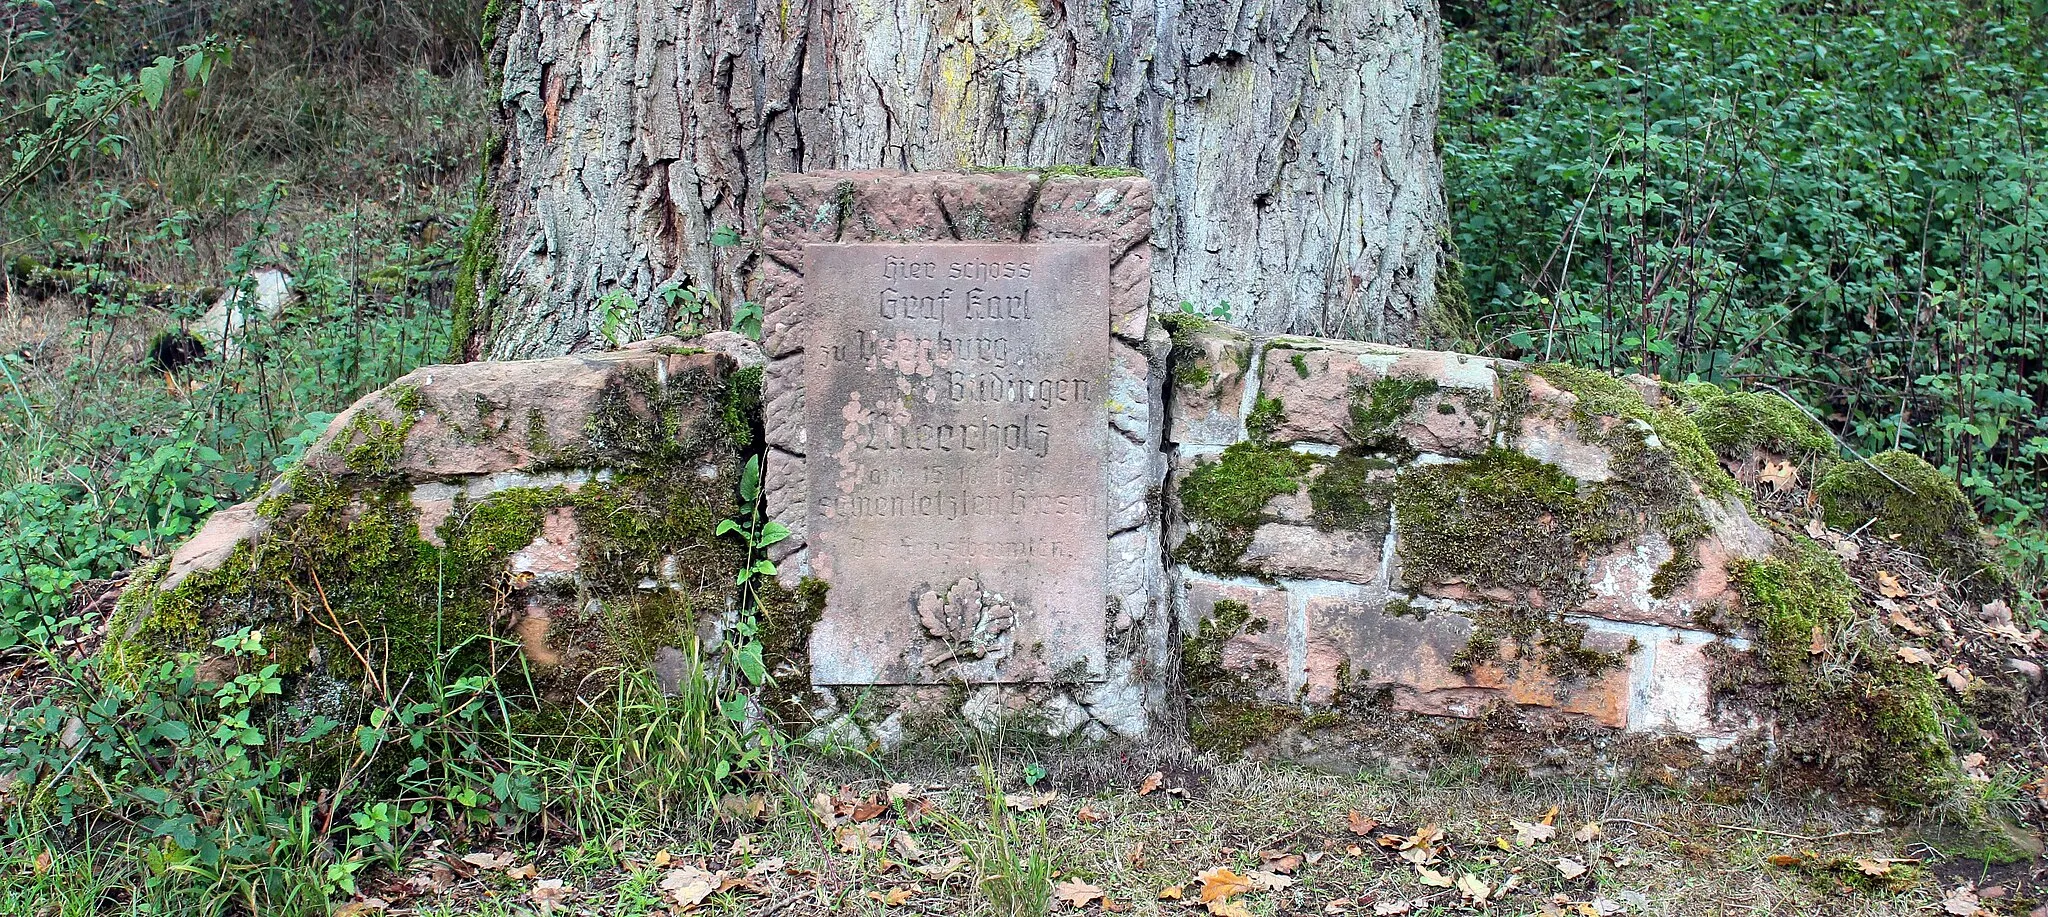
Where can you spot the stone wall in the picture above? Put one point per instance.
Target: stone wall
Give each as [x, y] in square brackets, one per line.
[1357, 526]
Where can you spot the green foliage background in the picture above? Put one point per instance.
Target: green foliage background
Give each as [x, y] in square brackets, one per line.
[1840, 199]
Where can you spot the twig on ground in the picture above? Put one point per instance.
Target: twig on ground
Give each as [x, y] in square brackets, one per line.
[1801, 837]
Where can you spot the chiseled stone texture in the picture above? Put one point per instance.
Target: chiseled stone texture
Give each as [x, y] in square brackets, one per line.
[1339, 612]
[1125, 686]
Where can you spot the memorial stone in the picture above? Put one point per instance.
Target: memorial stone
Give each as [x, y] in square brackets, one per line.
[957, 405]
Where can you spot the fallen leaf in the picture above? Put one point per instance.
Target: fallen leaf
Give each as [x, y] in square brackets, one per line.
[1473, 888]
[1170, 893]
[1151, 782]
[43, 861]
[1337, 906]
[1220, 883]
[1025, 802]
[1391, 908]
[857, 837]
[905, 844]
[1888, 585]
[1975, 761]
[1266, 880]
[1228, 909]
[1818, 644]
[1359, 824]
[1960, 901]
[688, 886]
[1076, 893]
[824, 810]
[362, 908]
[1874, 867]
[1816, 528]
[895, 897]
[1902, 622]
[1088, 815]
[1916, 655]
[1587, 833]
[940, 872]
[551, 894]
[1529, 834]
[1550, 817]
[523, 872]
[1433, 878]
[1570, 868]
[1281, 862]
[489, 860]
[868, 810]
[1846, 549]
[1996, 611]
[1780, 475]
[1786, 859]
[900, 791]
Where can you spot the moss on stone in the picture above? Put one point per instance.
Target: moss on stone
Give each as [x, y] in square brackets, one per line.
[1299, 361]
[1354, 493]
[741, 406]
[371, 443]
[1266, 416]
[1928, 515]
[1222, 499]
[1735, 423]
[1224, 713]
[1860, 718]
[1604, 396]
[1559, 646]
[1378, 408]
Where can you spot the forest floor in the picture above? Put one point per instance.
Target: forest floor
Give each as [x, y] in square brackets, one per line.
[1122, 834]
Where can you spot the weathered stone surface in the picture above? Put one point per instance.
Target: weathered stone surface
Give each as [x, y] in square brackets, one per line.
[1551, 434]
[1208, 388]
[550, 501]
[958, 433]
[1318, 383]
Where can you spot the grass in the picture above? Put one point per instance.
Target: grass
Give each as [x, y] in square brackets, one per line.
[1657, 853]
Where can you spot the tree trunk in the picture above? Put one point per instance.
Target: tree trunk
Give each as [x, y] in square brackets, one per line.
[1291, 145]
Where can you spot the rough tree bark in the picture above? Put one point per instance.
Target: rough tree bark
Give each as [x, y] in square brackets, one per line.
[1291, 144]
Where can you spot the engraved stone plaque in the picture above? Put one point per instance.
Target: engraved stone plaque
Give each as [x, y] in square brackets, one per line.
[957, 401]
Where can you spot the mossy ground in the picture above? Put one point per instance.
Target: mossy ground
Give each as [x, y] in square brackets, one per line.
[1851, 715]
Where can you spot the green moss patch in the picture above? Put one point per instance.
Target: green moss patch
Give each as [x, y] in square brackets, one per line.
[1734, 424]
[1852, 716]
[1354, 493]
[1224, 713]
[1900, 496]
[1377, 410]
[1221, 500]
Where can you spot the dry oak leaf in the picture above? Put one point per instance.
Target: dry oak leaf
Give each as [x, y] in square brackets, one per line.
[1916, 655]
[1780, 475]
[1432, 878]
[1529, 834]
[856, 837]
[1888, 585]
[868, 810]
[1219, 883]
[1265, 880]
[1570, 868]
[900, 791]
[1337, 906]
[1170, 893]
[1228, 909]
[523, 872]
[1899, 620]
[551, 894]
[1786, 859]
[489, 860]
[1359, 824]
[1088, 815]
[1392, 908]
[1587, 833]
[1960, 901]
[688, 886]
[1077, 893]
[1281, 862]
[1874, 867]
[940, 872]
[1957, 679]
[1473, 888]
[895, 897]
[825, 810]
[1151, 782]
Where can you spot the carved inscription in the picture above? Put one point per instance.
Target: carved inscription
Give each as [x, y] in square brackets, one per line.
[957, 401]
